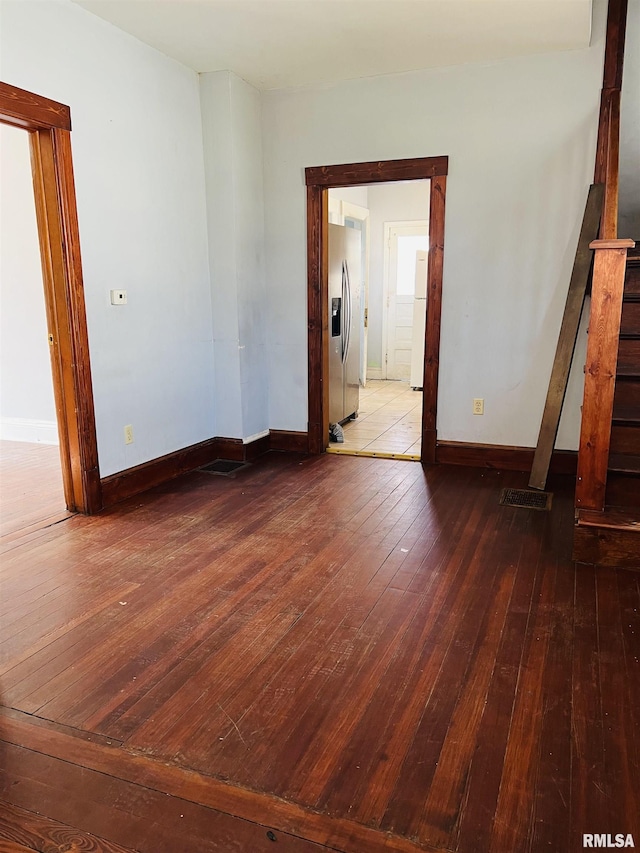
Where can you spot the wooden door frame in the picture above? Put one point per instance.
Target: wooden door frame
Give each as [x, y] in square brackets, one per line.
[49, 126]
[319, 180]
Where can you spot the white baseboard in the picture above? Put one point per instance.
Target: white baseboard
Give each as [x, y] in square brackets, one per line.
[31, 431]
[374, 373]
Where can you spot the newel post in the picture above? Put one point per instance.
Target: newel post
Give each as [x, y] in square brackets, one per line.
[600, 371]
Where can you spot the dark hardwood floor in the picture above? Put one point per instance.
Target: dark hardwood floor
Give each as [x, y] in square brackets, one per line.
[328, 653]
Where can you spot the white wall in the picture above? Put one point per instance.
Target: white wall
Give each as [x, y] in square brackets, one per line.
[231, 112]
[139, 174]
[354, 195]
[393, 202]
[520, 135]
[629, 223]
[27, 408]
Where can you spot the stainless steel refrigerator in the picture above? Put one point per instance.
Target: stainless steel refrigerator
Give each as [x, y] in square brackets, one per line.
[344, 322]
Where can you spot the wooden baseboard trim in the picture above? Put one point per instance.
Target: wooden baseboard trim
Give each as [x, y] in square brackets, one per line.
[132, 481]
[125, 484]
[500, 456]
[289, 441]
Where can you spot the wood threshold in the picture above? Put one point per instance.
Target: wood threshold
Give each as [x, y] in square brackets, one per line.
[262, 809]
[374, 454]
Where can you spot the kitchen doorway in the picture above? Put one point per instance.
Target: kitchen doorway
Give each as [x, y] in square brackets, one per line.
[319, 180]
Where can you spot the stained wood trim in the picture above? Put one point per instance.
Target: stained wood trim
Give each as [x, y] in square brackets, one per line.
[502, 457]
[85, 463]
[435, 265]
[50, 240]
[132, 481]
[289, 441]
[319, 179]
[612, 244]
[614, 50]
[609, 225]
[600, 374]
[567, 338]
[607, 149]
[263, 809]
[317, 320]
[48, 124]
[25, 109]
[64, 300]
[352, 174]
[254, 449]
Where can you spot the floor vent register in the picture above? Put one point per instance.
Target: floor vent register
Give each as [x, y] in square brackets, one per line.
[224, 467]
[526, 498]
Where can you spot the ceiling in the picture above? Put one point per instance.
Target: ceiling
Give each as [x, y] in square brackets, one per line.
[281, 43]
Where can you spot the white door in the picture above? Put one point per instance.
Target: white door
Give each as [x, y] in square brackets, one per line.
[402, 243]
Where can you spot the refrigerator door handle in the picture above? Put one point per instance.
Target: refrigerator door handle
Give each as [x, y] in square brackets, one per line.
[346, 288]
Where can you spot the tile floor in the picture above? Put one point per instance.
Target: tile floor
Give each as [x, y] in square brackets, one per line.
[388, 422]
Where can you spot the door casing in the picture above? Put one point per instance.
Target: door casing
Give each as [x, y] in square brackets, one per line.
[319, 179]
[49, 126]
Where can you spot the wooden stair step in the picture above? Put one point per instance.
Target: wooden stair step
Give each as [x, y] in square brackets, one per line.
[627, 392]
[625, 439]
[613, 517]
[630, 322]
[629, 353]
[623, 490]
[609, 538]
[632, 276]
[632, 370]
[629, 414]
[625, 463]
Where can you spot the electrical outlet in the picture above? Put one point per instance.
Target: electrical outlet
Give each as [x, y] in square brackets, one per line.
[118, 297]
[128, 434]
[478, 406]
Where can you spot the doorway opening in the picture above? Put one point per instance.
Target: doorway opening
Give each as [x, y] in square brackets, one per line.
[48, 125]
[322, 322]
[31, 488]
[390, 221]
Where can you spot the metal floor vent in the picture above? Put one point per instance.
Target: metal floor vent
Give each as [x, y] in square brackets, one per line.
[224, 467]
[526, 498]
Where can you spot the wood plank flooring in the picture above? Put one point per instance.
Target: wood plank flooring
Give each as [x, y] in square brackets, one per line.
[330, 653]
[31, 494]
